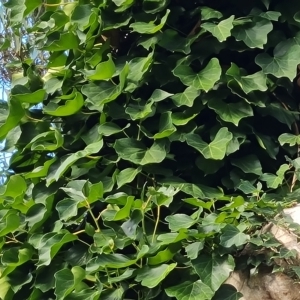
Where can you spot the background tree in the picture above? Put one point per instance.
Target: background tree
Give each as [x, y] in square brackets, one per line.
[164, 137]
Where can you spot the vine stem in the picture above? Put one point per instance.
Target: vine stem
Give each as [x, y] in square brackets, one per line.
[296, 132]
[156, 223]
[144, 206]
[93, 216]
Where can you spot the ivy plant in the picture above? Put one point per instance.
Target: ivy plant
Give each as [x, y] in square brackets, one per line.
[150, 149]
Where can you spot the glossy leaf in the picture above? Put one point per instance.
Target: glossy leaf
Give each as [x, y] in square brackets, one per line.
[205, 80]
[214, 150]
[190, 291]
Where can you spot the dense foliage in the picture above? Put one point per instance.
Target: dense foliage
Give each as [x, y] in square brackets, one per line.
[164, 137]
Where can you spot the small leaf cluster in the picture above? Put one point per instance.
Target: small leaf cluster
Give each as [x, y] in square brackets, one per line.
[150, 149]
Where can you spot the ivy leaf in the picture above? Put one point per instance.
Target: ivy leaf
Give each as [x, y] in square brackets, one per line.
[50, 243]
[254, 35]
[282, 64]
[104, 91]
[81, 16]
[222, 30]
[192, 250]
[187, 97]
[213, 270]
[136, 152]
[274, 181]
[20, 8]
[166, 127]
[190, 291]
[288, 138]
[66, 281]
[139, 111]
[208, 13]
[205, 80]
[173, 42]
[14, 257]
[104, 70]
[149, 28]
[73, 104]
[152, 276]
[71, 159]
[231, 112]
[227, 292]
[249, 83]
[61, 42]
[214, 150]
[23, 94]
[178, 221]
[127, 176]
[117, 261]
[120, 214]
[248, 164]
[9, 222]
[232, 236]
[67, 208]
[16, 113]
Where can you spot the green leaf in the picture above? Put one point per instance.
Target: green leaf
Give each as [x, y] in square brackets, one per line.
[61, 42]
[190, 291]
[131, 225]
[20, 8]
[164, 255]
[166, 127]
[16, 113]
[71, 106]
[71, 159]
[192, 250]
[222, 30]
[49, 244]
[109, 128]
[208, 13]
[139, 111]
[23, 94]
[104, 70]
[282, 64]
[205, 80]
[254, 35]
[152, 276]
[248, 164]
[67, 280]
[159, 95]
[81, 16]
[187, 97]
[149, 28]
[14, 257]
[9, 222]
[250, 83]
[172, 41]
[116, 261]
[104, 92]
[120, 214]
[179, 221]
[67, 209]
[232, 236]
[47, 141]
[227, 292]
[213, 270]
[214, 150]
[138, 66]
[127, 176]
[288, 138]
[231, 112]
[274, 181]
[136, 152]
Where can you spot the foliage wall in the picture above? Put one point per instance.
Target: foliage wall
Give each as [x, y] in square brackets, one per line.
[164, 137]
